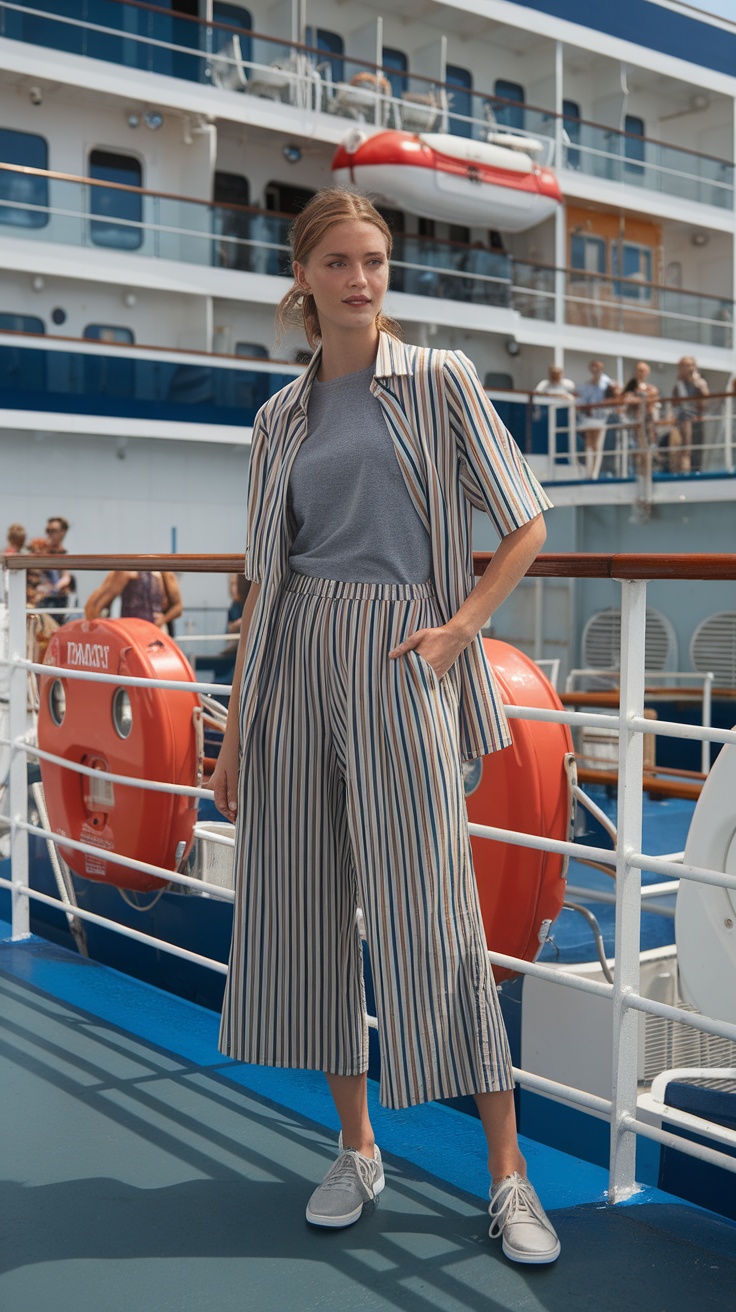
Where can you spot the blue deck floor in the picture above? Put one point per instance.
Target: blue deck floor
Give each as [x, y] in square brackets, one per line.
[144, 1172]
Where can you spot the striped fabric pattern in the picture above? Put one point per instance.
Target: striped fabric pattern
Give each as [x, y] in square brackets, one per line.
[454, 454]
[351, 793]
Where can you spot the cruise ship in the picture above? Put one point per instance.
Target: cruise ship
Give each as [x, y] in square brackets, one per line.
[568, 197]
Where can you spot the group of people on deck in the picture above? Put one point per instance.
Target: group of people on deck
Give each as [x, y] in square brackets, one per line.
[668, 431]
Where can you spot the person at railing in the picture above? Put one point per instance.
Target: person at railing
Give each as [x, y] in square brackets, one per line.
[56, 585]
[615, 426]
[642, 404]
[690, 389]
[555, 384]
[144, 595]
[592, 418]
[15, 543]
[364, 686]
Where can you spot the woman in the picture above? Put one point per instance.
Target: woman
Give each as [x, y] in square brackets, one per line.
[363, 686]
[144, 595]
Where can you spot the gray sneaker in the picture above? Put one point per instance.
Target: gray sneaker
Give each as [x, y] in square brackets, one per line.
[351, 1181]
[518, 1216]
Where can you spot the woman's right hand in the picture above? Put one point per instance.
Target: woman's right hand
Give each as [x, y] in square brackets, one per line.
[224, 781]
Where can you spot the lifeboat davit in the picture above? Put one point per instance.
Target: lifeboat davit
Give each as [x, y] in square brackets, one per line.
[494, 184]
[143, 732]
[524, 787]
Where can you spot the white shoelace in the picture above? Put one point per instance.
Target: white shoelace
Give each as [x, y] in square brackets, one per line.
[518, 1203]
[344, 1168]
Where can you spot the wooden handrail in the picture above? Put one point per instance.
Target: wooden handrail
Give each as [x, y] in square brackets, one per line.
[583, 565]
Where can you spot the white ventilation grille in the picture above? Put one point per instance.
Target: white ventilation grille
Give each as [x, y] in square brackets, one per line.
[713, 647]
[602, 641]
[671, 1044]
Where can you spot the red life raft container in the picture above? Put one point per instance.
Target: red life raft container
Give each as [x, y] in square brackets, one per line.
[148, 733]
[524, 787]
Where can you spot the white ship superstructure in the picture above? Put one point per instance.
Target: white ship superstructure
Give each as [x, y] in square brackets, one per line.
[151, 156]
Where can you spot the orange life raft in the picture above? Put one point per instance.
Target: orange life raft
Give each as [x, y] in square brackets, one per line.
[147, 733]
[524, 787]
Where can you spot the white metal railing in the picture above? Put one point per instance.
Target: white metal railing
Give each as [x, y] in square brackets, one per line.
[627, 858]
[645, 442]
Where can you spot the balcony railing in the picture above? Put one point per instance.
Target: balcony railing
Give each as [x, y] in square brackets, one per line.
[151, 38]
[624, 305]
[51, 207]
[652, 441]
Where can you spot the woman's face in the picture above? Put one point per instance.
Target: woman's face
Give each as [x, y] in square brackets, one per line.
[347, 274]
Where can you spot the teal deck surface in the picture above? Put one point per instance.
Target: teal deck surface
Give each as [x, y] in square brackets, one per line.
[142, 1171]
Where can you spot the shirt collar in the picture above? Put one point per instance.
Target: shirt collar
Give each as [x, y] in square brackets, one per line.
[391, 360]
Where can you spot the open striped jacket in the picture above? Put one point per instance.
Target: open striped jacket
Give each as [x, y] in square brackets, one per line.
[454, 453]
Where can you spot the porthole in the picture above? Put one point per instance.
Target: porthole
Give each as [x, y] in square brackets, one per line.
[57, 702]
[122, 713]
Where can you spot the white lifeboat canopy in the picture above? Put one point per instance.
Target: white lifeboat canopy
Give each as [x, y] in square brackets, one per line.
[493, 184]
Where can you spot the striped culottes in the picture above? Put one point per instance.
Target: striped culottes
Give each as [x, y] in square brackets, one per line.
[351, 794]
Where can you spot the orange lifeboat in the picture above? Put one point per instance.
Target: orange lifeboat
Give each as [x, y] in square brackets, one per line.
[524, 787]
[147, 733]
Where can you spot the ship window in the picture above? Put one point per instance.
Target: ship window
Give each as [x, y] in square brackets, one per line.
[331, 43]
[252, 350]
[571, 128]
[234, 16]
[104, 332]
[459, 90]
[588, 253]
[634, 143]
[118, 213]
[395, 66]
[509, 115]
[18, 190]
[632, 261]
[499, 382]
[21, 323]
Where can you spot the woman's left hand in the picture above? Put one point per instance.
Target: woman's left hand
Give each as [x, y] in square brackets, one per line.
[440, 647]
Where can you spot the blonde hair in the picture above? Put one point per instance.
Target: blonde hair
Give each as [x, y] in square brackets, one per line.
[298, 309]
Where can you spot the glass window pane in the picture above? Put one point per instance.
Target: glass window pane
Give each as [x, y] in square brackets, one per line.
[511, 116]
[103, 332]
[634, 144]
[395, 63]
[29, 151]
[21, 323]
[252, 350]
[332, 44]
[111, 204]
[234, 16]
[459, 89]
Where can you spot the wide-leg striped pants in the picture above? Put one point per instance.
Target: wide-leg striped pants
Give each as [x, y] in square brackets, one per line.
[351, 794]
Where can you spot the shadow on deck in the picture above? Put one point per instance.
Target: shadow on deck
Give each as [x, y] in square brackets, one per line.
[142, 1171]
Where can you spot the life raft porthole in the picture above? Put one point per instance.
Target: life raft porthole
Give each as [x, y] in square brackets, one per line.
[57, 702]
[122, 713]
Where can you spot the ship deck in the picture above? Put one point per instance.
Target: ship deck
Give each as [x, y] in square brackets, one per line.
[144, 1170]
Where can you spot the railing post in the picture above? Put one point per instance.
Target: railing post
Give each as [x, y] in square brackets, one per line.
[622, 1180]
[18, 782]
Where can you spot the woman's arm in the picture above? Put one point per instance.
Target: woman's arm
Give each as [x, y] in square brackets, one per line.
[103, 596]
[510, 562]
[224, 782]
[172, 597]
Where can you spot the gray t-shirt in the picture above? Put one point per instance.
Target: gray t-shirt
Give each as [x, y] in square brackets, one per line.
[352, 514]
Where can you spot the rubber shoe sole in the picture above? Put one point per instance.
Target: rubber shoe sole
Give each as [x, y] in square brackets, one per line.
[348, 1218]
[530, 1259]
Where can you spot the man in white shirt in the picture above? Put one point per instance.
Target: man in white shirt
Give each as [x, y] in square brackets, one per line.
[555, 384]
[592, 416]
